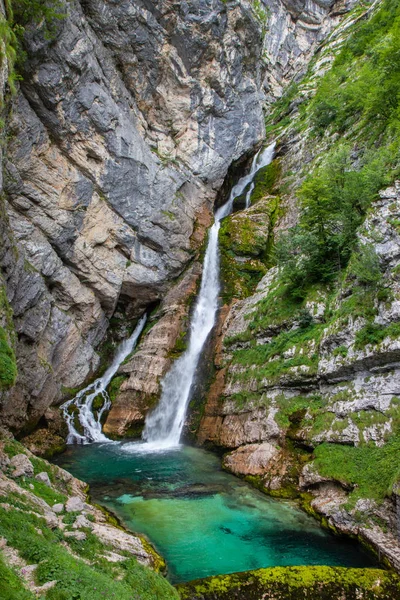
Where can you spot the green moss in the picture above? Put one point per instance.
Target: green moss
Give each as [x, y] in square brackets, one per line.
[115, 385]
[180, 345]
[246, 241]
[8, 364]
[266, 181]
[296, 583]
[291, 409]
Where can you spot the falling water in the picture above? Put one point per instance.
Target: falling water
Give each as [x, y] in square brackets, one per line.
[259, 161]
[84, 400]
[164, 425]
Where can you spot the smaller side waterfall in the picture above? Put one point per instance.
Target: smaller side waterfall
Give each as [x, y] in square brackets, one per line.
[164, 425]
[84, 399]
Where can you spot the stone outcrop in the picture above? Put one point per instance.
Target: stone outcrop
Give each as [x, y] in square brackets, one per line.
[141, 390]
[295, 29]
[63, 482]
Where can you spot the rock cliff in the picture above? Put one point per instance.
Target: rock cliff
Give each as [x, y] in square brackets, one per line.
[126, 121]
[119, 137]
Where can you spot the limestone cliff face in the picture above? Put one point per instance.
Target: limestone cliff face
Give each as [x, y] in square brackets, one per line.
[326, 387]
[121, 134]
[290, 37]
[119, 138]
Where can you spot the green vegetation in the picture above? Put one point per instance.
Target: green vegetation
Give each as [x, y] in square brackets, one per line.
[114, 387]
[76, 579]
[246, 245]
[359, 99]
[370, 469]
[266, 181]
[80, 567]
[21, 14]
[296, 583]
[43, 491]
[374, 334]
[8, 364]
[11, 585]
[334, 200]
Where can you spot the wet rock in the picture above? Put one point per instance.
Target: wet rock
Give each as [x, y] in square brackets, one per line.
[252, 459]
[152, 359]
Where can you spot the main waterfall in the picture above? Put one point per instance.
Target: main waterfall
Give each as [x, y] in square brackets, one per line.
[164, 425]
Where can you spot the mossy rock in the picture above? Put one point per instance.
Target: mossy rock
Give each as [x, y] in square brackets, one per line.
[296, 583]
[8, 364]
[245, 242]
[266, 181]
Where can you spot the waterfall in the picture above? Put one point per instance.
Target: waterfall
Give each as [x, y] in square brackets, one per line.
[164, 425]
[84, 399]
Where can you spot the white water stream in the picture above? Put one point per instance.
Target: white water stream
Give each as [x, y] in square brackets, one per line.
[164, 425]
[84, 400]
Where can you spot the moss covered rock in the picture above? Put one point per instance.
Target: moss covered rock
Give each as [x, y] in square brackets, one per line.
[245, 243]
[296, 583]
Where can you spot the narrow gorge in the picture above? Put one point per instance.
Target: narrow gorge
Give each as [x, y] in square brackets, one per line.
[200, 299]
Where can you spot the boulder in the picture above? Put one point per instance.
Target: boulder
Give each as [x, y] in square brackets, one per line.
[22, 466]
[74, 504]
[80, 536]
[43, 478]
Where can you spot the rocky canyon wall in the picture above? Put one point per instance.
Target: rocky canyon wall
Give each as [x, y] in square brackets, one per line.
[126, 121]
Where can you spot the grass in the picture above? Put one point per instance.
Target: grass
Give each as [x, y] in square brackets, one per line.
[8, 363]
[11, 585]
[373, 333]
[48, 494]
[76, 579]
[370, 469]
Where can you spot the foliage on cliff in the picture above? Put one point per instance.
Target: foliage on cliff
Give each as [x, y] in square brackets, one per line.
[8, 365]
[317, 352]
[358, 99]
[21, 14]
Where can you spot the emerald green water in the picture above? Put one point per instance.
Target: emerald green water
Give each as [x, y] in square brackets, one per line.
[202, 520]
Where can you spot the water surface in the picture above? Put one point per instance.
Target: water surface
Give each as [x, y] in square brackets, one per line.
[202, 520]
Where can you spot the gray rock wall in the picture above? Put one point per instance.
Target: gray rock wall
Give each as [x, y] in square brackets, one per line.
[123, 130]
